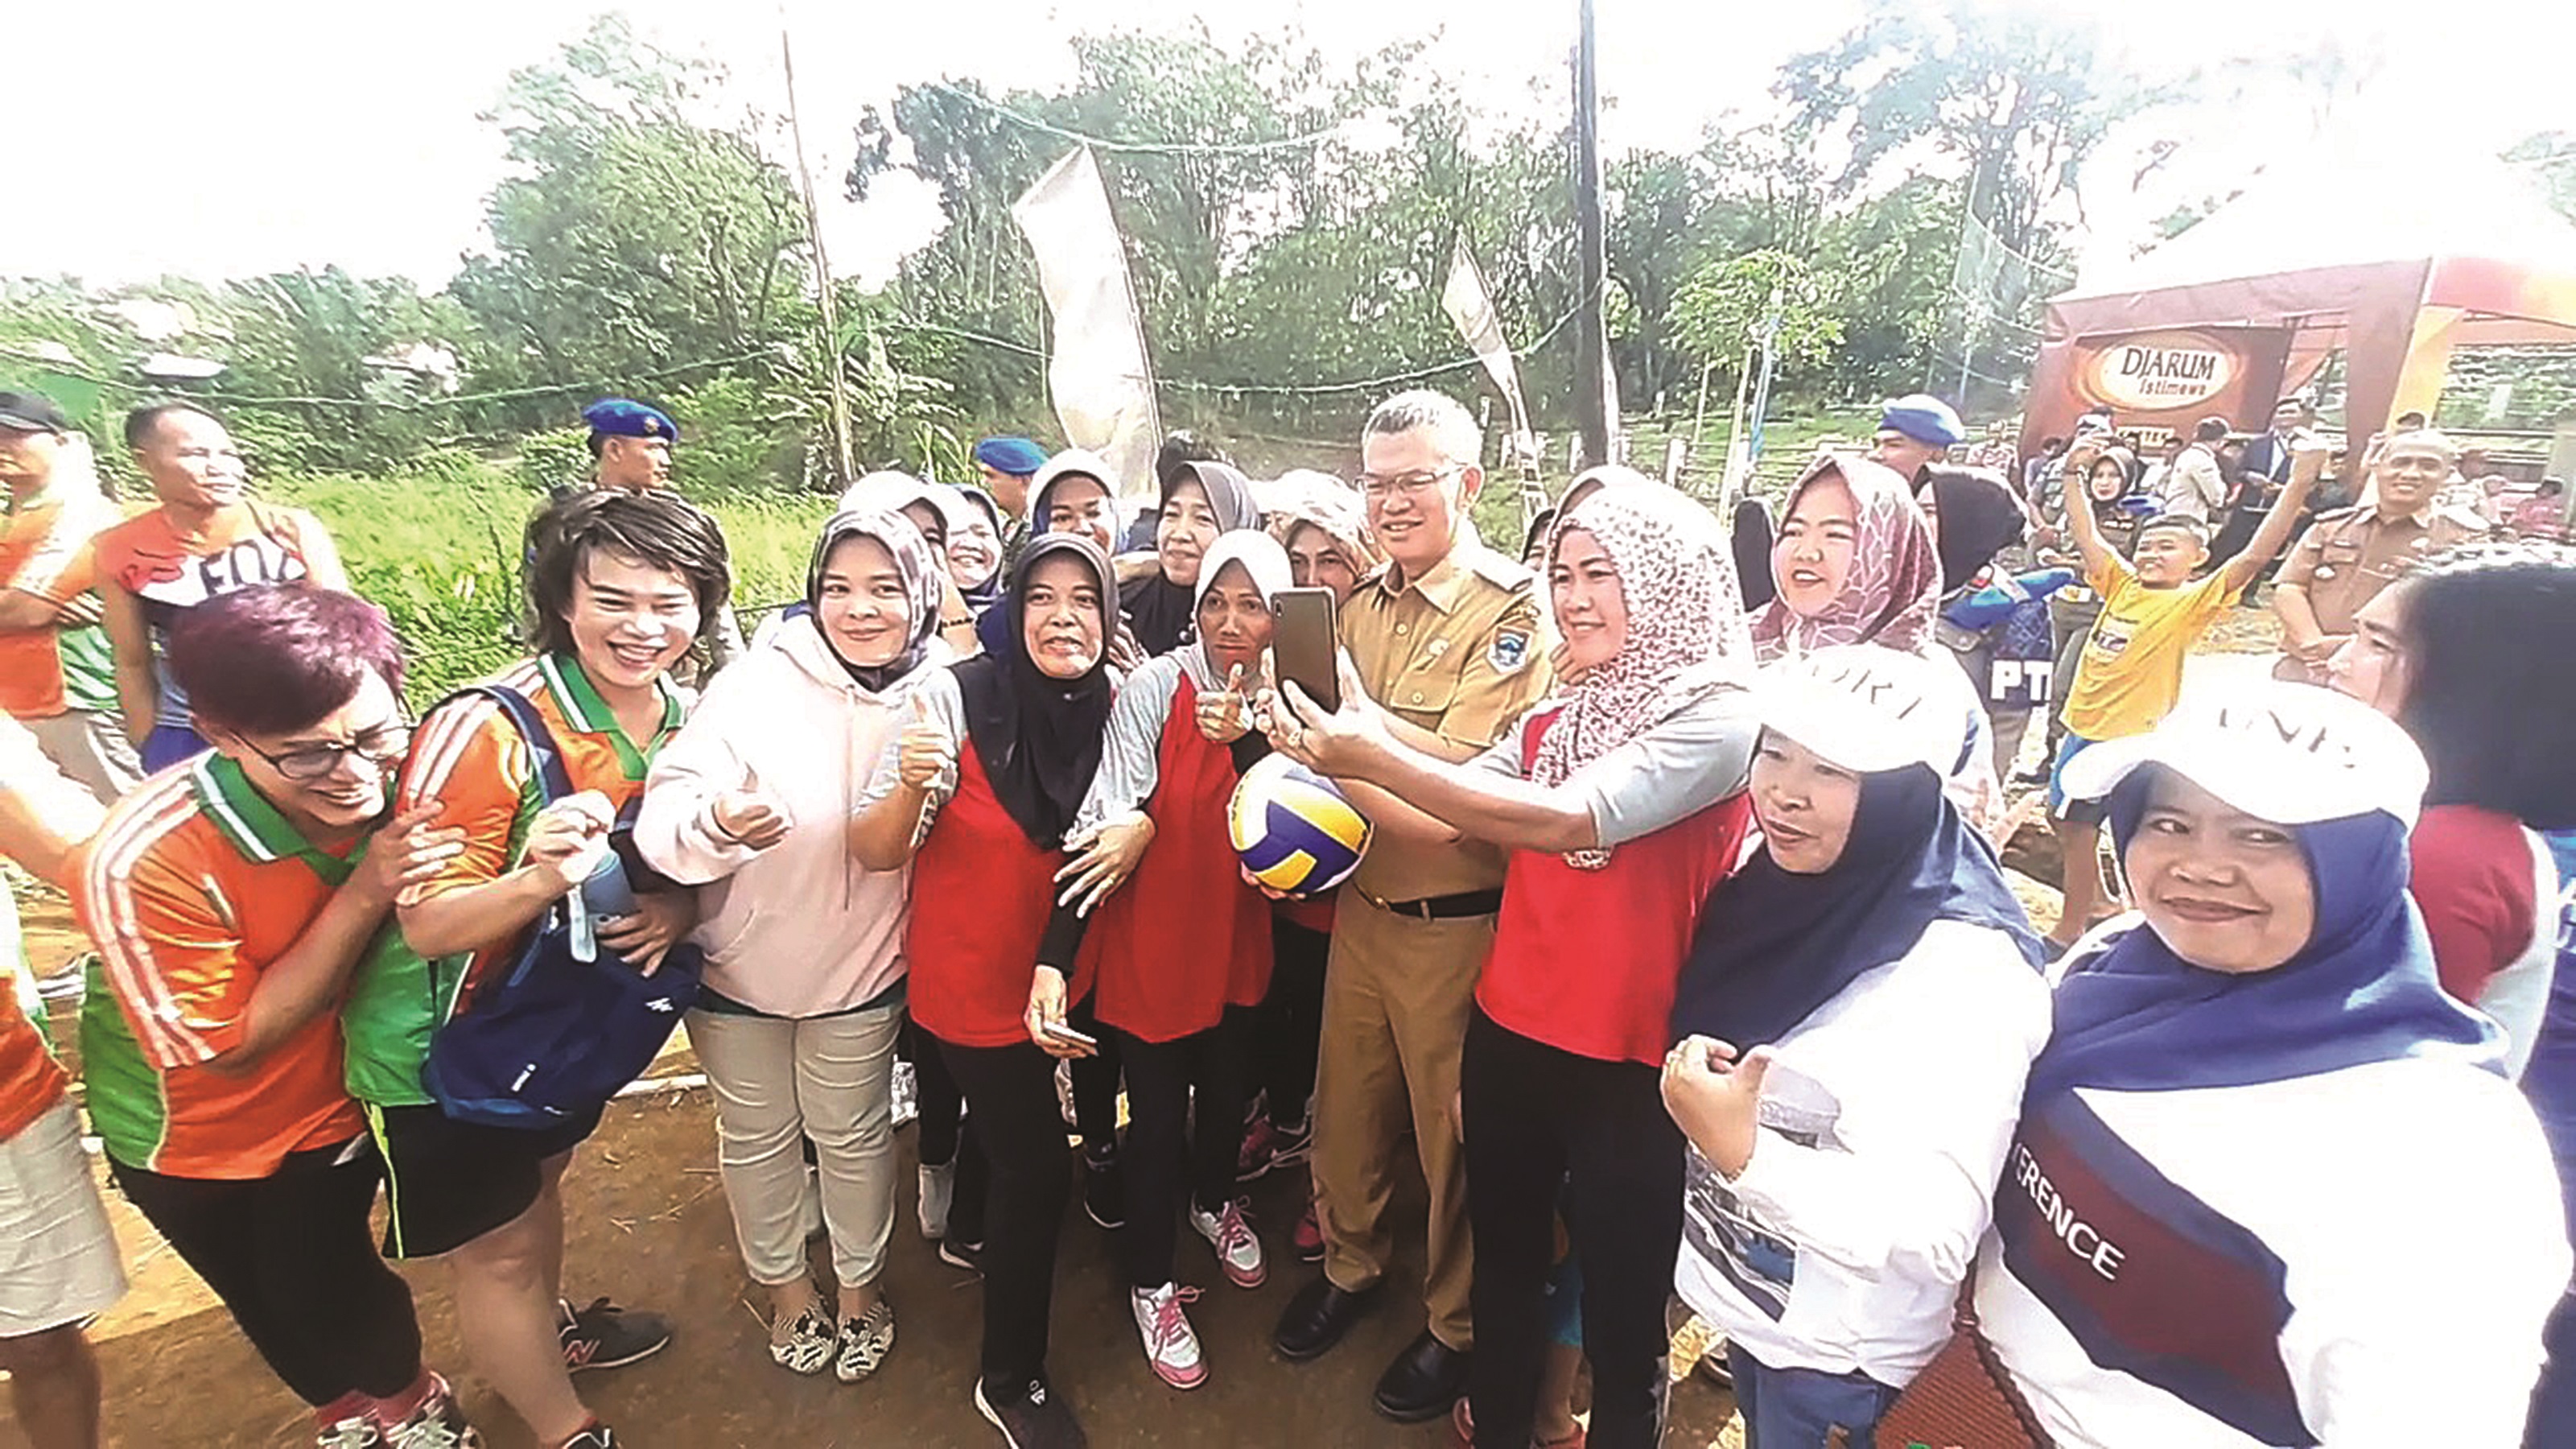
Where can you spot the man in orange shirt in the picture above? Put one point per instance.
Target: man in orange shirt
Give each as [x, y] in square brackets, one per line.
[63, 1267]
[55, 674]
[230, 900]
[207, 538]
[622, 586]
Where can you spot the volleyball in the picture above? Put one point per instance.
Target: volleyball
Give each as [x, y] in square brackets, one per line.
[1295, 830]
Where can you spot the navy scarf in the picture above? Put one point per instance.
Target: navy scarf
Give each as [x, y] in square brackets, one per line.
[2133, 1016]
[1773, 946]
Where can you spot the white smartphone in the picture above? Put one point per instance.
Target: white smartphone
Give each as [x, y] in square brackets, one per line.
[1062, 1032]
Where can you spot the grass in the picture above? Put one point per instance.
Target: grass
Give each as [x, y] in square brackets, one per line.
[439, 549]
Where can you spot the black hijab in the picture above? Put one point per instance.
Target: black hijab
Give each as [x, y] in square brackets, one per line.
[1979, 519]
[1164, 614]
[1773, 945]
[1039, 737]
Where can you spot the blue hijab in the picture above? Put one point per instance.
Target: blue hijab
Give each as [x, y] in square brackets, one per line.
[1773, 945]
[2133, 1016]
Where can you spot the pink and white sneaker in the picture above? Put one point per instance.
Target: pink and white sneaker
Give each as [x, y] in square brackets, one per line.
[1171, 1345]
[1238, 1248]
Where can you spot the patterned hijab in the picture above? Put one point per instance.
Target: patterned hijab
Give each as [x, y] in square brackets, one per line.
[1686, 635]
[1895, 579]
[913, 563]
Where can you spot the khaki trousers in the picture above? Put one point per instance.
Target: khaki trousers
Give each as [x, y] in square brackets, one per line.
[1396, 998]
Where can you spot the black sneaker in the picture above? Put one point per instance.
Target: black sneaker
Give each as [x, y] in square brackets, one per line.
[605, 1336]
[968, 1256]
[1104, 1191]
[1037, 1419]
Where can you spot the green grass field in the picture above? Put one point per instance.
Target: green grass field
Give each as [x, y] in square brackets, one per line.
[439, 549]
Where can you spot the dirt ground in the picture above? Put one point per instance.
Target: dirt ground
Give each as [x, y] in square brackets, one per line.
[650, 1228]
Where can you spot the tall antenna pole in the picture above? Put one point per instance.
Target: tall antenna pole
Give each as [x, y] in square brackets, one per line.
[1591, 347]
[834, 373]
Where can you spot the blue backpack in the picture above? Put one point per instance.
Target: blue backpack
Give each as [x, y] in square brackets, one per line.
[570, 1022]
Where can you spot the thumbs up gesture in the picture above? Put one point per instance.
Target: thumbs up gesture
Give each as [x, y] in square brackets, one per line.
[750, 815]
[1221, 713]
[926, 754]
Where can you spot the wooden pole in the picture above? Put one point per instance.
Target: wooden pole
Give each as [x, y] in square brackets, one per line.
[833, 370]
[1592, 352]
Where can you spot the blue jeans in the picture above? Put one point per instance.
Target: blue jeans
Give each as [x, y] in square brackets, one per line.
[1800, 1408]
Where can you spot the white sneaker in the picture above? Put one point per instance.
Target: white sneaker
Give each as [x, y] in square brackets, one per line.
[938, 1190]
[1170, 1344]
[1238, 1248]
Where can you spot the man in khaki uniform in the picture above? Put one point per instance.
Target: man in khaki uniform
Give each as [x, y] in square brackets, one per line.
[1447, 638]
[2348, 555]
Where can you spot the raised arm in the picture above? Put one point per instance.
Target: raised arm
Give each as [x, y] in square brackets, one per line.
[2098, 556]
[2305, 467]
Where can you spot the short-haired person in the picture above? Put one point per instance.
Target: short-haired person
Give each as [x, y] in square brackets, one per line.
[1621, 806]
[57, 676]
[621, 587]
[2192, 486]
[1914, 432]
[2154, 613]
[1837, 1190]
[2543, 514]
[63, 1268]
[231, 901]
[978, 793]
[1200, 501]
[1008, 466]
[2443, 651]
[1448, 638]
[205, 537]
[2106, 480]
[1180, 942]
[2262, 470]
[802, 999]
[630, 448]
[2193, 1232]
[2349, 555]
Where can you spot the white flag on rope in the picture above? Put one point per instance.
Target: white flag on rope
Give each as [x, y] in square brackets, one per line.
[1098, 374]
[1471, 307]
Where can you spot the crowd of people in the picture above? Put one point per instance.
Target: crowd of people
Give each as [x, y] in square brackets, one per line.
[1682, 960]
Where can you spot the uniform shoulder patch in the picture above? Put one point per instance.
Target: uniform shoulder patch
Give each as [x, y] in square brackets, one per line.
[1510, 649]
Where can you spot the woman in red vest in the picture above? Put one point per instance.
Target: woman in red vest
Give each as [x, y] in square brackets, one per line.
[1622, 804]
[1183, 949]
[978, 794]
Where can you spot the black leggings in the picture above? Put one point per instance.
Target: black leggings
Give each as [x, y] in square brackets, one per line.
[1539, 1119]
[1013, 1164]
[1095, 1084]
[1160, 1077]
[292, 1258]
[935, 1094]
[1291, 1026]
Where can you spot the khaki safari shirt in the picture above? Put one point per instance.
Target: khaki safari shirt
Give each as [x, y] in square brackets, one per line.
[2349, 554]
[1461, 652]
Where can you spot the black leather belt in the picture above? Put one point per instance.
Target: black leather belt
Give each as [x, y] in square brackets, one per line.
[1442, 908]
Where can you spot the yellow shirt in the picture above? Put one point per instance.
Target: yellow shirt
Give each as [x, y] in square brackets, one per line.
[2131, 670]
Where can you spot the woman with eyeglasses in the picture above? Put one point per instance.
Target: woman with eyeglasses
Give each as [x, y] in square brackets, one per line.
[231, 901]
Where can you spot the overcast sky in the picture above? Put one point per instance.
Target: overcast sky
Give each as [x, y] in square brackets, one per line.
[218, 140]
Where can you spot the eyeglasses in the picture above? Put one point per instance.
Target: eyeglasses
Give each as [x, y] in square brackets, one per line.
[1377, 489]
[379, 747]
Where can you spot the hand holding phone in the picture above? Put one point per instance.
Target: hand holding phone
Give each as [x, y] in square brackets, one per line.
[1304, 642]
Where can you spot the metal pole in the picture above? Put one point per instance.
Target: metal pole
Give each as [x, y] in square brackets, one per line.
[1592, 354]
[840, 394]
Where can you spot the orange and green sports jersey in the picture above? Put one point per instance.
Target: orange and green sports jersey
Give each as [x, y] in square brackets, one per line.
[31, 1081]
[192, 889]
[469, 757]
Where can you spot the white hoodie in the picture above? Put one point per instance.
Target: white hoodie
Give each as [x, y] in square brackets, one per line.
[800, 929]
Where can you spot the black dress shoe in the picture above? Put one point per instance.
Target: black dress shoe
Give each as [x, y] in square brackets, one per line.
[1318, 1317]
[1423, 1382]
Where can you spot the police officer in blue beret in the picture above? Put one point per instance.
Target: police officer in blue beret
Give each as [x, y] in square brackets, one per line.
[1915, 432]
[630, 444]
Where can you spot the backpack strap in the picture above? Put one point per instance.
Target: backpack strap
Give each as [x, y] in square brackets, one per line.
[554, 782]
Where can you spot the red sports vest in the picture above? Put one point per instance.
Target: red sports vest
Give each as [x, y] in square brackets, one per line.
[981, 894]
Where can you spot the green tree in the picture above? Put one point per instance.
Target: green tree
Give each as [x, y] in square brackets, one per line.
[1726, 307]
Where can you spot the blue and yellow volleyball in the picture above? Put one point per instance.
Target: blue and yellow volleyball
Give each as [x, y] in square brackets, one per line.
[1295, 830]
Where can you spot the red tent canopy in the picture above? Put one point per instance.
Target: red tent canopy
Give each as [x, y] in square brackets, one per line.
[2249, 303]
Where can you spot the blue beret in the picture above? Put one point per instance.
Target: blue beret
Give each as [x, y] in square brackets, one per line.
[1925, 419]
[624, 417]
[1016, 456]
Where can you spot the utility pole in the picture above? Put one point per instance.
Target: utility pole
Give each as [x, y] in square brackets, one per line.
[1592, 347]
[840, 393]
